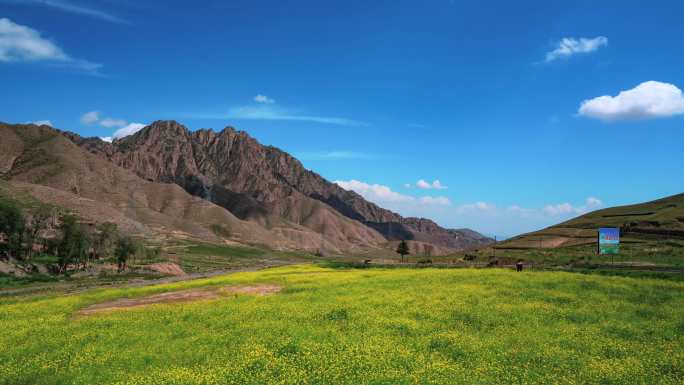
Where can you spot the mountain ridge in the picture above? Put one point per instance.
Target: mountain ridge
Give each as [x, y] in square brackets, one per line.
[233, 165]
[42, 162]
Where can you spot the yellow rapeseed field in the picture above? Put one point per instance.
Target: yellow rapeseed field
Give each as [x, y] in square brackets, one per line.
[358, 326]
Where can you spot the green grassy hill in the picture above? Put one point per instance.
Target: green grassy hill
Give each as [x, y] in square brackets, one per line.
[659, 219]
[651, 233]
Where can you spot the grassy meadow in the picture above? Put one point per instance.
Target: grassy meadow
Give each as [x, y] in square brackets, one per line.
[358, 326]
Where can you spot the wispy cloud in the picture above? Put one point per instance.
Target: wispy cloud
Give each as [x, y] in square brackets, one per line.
[124, 128]
[267, 109]
[263, 99]
[19, 43]
[70, 7]
[90, 117]
[93, 117]
[274, 112]
[570, 46]
[648, 100]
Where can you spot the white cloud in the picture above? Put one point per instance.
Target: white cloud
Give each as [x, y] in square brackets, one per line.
[481, 216]
[67, 6]
[479, 207]
[93, 117]
[375, 193]
[128, 130]
[20, 43]
[42, 123]
[90, 117]
[110, 122]
[591, 203]
[561, 208]
[383, 195]
[125, 128]
[442, 201]
[436, 184]
[423, 184]
[570, 46]
[408, 185]
[263, 99]
[651, 99]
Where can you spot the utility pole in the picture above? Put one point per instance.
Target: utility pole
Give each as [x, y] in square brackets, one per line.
[494, 246]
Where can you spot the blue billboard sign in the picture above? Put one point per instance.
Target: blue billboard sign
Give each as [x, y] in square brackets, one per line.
[609, 240]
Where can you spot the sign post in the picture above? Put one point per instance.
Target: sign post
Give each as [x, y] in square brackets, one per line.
[609, 241]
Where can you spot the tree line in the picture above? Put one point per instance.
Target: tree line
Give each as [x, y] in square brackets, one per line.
[75, 245]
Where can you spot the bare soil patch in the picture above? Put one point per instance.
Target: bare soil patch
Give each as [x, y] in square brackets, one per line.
[167, 269]
[180, 296]
[258, 290]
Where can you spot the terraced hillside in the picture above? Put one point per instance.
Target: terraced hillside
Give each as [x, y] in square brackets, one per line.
[652, 233]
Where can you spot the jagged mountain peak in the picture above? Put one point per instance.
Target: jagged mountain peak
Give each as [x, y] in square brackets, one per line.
[260, 182]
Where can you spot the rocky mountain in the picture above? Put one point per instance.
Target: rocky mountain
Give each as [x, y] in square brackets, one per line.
[46, 164]
[259, 183]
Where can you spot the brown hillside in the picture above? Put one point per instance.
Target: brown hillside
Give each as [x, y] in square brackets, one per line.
[49, 166]
[264, 184]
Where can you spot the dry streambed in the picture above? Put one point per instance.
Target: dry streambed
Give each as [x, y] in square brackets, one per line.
[180, 296]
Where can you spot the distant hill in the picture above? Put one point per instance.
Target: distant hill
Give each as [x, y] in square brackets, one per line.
[662, 218]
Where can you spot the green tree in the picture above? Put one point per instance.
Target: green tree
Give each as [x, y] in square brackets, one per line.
[74, 244]
[12, 224]
[125, 248]
[402, 249]
[105, 239]
[39, 221]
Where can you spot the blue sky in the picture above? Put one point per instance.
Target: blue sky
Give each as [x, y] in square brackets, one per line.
[385, 97]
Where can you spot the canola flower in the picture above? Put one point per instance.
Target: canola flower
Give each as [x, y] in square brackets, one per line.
[358, 326]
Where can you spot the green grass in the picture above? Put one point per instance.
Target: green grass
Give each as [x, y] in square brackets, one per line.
[645, 229]
[654, 252]
[359, 326]
[10, 280]
[202, 257]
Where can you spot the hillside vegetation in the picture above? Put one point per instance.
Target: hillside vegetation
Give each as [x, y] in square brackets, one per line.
[358, 326]
[662, 218]
[652, 233]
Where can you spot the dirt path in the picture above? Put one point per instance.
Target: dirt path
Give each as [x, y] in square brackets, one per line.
[190, 295]
[70, 288]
